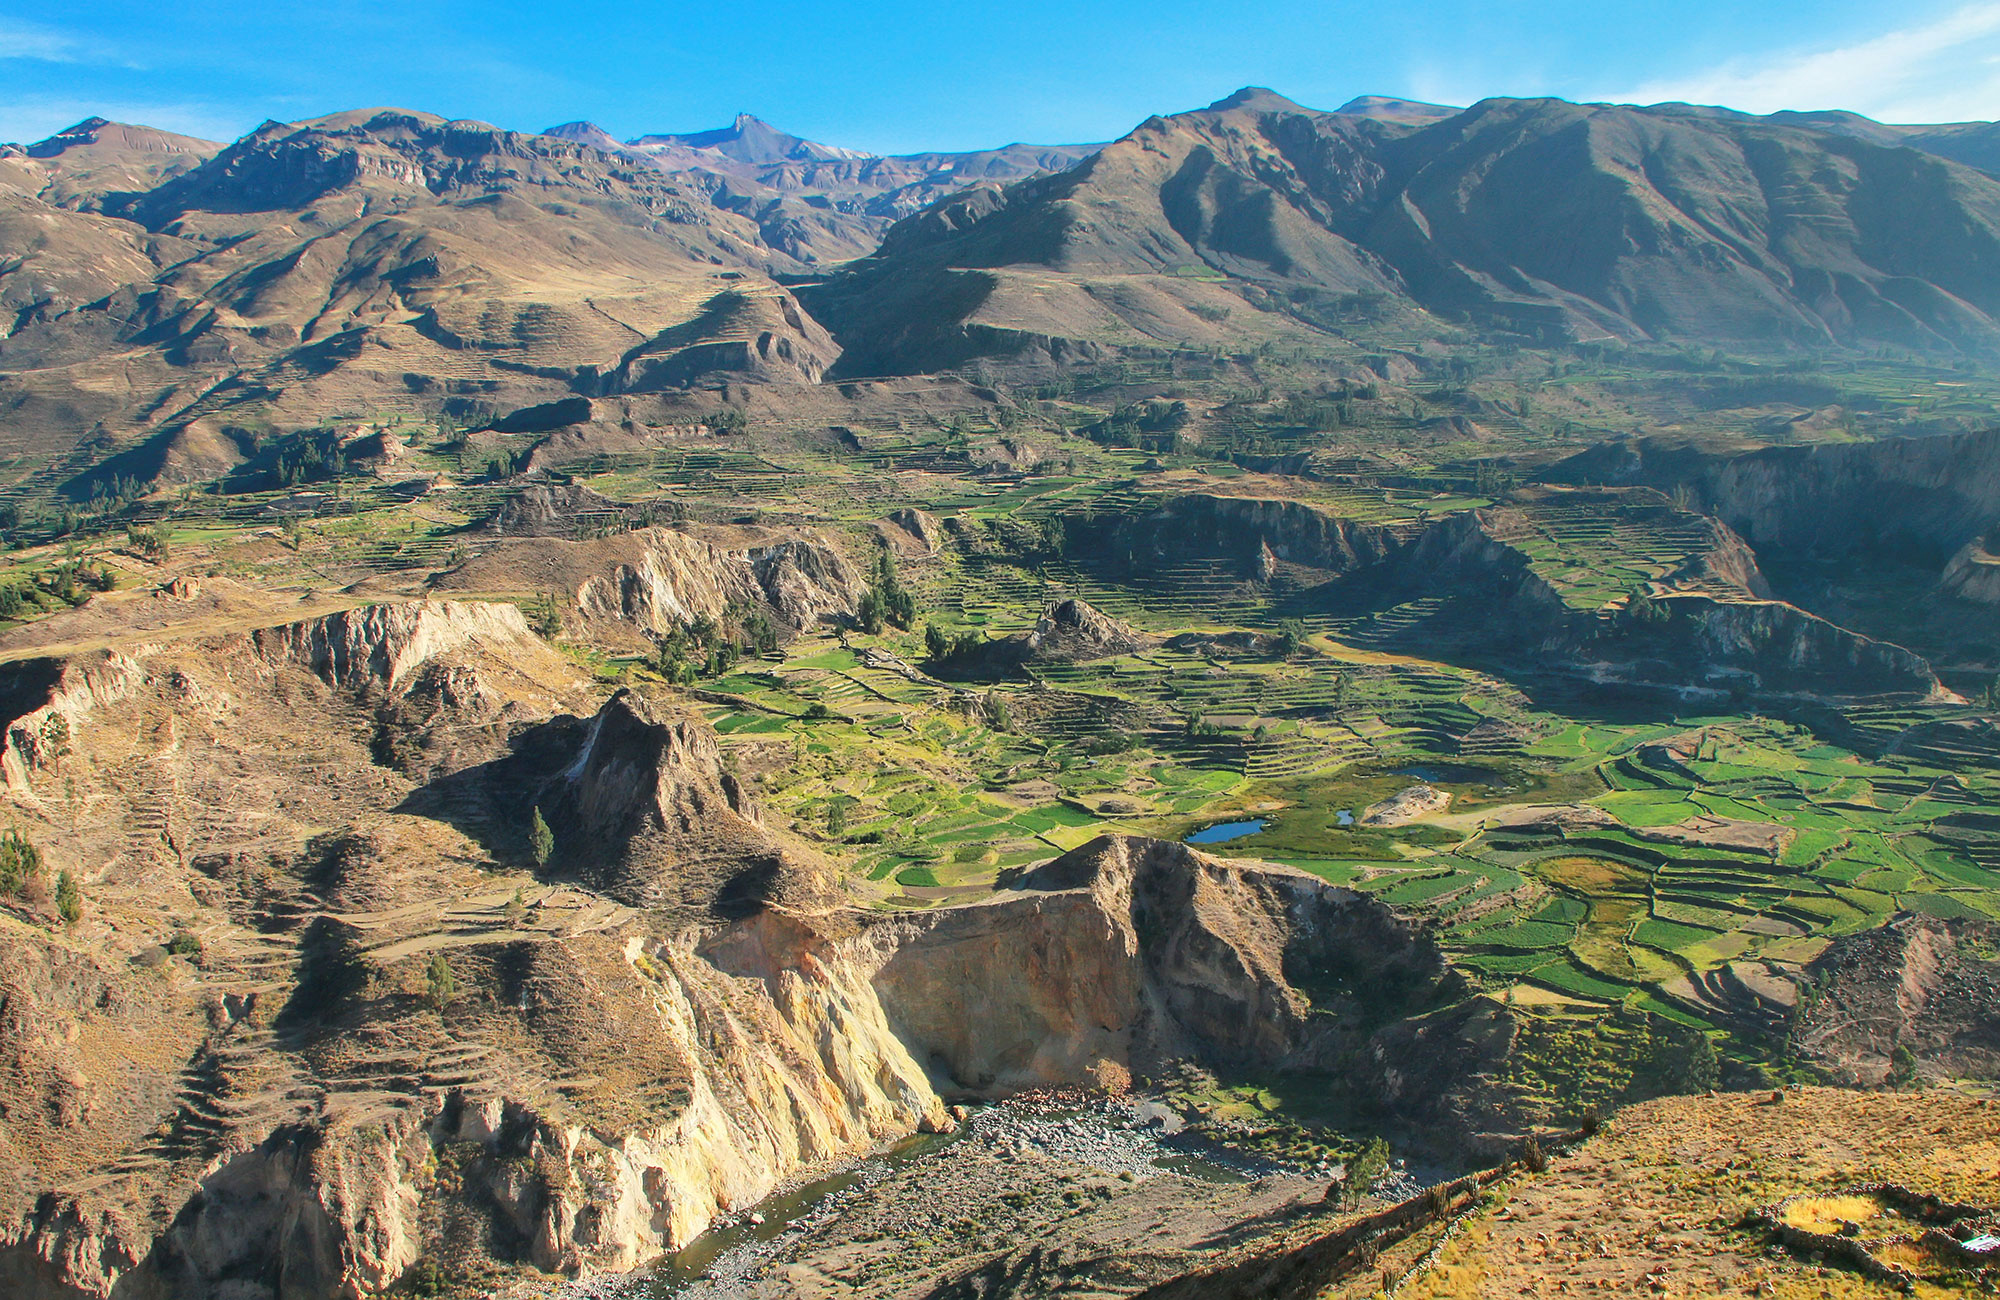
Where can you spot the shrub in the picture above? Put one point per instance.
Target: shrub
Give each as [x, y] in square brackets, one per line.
[440, 985]
[69, 899]
[19, 860]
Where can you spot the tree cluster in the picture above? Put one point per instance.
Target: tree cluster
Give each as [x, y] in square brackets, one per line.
[942, 646]
[709, 647]
[20, 861]
[886, 601]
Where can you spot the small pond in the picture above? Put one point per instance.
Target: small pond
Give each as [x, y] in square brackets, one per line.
[1227, 831]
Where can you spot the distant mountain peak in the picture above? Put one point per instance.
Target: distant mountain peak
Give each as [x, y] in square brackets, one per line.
[749, 139]
[122, 135]
[84, 132]
[587, 133]
[1258, 98]
[1389, 108]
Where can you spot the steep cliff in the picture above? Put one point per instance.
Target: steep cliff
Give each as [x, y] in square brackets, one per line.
[385, 643]
[1927, 495]
[1709, 623]
[658, 580]
[1128, 953]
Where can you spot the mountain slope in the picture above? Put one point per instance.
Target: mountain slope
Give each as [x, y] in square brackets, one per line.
[1550, 219]
[96, 160]
[381, 258]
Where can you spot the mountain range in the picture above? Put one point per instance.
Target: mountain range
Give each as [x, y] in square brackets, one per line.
[1549, 220]
[167, 297]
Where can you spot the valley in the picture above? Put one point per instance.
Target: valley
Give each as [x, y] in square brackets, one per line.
[718, 716]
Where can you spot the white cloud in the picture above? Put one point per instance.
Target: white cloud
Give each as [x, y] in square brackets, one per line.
[36, 43]
[1944, 70]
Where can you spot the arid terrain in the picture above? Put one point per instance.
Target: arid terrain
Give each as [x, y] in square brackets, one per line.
[1258, 709]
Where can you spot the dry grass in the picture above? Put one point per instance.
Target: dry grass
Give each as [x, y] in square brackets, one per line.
[1653, 1204]
[1827, 1214]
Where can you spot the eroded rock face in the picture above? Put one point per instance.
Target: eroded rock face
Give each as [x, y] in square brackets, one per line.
[1929, 493]
[45, 700]
[805, 580]
[385, 643]
[1128, 953]
[637, 774]
[1974, 572]
[658, 580]
[1922, 985]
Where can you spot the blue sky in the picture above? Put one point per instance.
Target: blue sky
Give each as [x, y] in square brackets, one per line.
[903, 75]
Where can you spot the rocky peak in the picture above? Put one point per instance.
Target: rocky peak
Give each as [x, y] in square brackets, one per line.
[1072, 630]
[638, 771]
[645, 809]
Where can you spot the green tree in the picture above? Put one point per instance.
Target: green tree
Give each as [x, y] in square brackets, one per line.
[547, 615]
[760, 633]
[440, 985]
[1364, 1170]
[1291, 637]
[541, 840]
[886, 600]
[69, 898]
[670, 658]
[19, 860]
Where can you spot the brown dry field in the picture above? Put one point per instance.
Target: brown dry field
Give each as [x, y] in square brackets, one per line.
[1651, 1206]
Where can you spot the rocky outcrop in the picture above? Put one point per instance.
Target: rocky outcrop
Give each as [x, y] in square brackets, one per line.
[386, 643]
[1974, 573]
[42, 702]
[1918, 985]
[1128, 953]
[554, 510]
[921, 526]
[1072, 631]
[1069, 631]
[1406, 806]
[658, 580]
[645, 809]
[805, 580]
